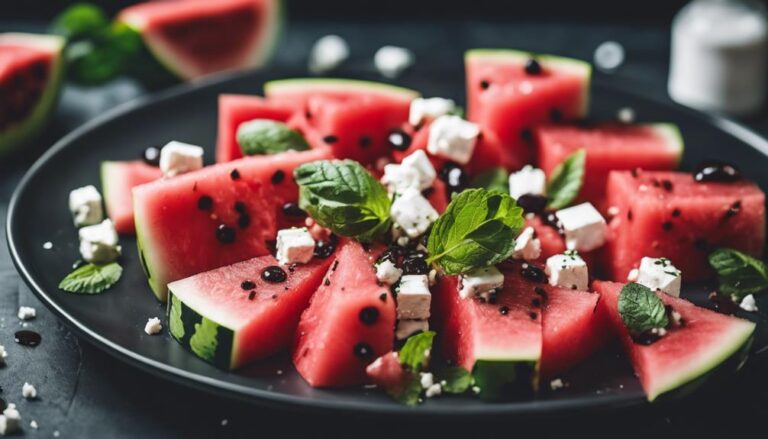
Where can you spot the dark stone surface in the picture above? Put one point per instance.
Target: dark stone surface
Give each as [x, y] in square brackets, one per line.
[85, 393]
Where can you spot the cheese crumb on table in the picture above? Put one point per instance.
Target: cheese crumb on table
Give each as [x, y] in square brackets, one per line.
[584, 227]
[567, 270]
[153, 326]
[27, 313]
[28, 391]
[391, 61]
[453, 138]
[10, 420]
[179, 158]
[85, 204]
[328, 53]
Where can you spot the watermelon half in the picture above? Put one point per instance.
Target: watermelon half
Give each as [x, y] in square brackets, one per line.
[30, 79]
[117, 182]
[213, 217]
[687, 353]
[220, 321]
[194, 38]
[504, 98]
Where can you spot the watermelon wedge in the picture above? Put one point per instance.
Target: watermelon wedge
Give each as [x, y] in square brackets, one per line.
[668, 214]
[349, 323]
[117, 182]
[230, 316]
[687, 353]
[194, 38]
[508, 94]
[213, 217]
[30, 79]
[609, 147]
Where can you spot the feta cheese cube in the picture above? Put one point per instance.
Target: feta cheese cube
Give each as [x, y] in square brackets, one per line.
[413, 213]
[480, 282]
[387, 273]
[527, 245]
[10, 420]
[99, 243]
[419, 162]
[659, 274]
[153, 326]
[413, 297]
[86, 206]
[27, 313]
[584, 227]
[28, 391]
[568, 270]
[179, 157]
[294, 246]
[426, 109]
[3, 355]
[391, 61]
[453, 138]
[328, 53]
[748, 303]
[527, 181]
[408, 327]
[33, 424]
[399, 178]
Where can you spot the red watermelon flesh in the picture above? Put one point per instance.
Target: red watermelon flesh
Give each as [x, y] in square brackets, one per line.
[668, 214]
[236, 109]
[349, 323]
[387, 372]
[609, 147]
[552, 242]
[178, 238]
[506, 100]
[686, 353]
[194, 38]
[251, 323]
[117, 182]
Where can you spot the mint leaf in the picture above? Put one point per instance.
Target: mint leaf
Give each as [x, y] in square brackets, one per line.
[455, 380]
[266, 136]
[409, 393]
[739, 274]
[92, 278]
[478, 229]
[495, 179]
[566, 180]
[79, 20]
[104, 55]
[415, 352]
[641, 309]
[342, 196]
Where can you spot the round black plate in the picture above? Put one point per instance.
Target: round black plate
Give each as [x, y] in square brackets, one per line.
[114, 320]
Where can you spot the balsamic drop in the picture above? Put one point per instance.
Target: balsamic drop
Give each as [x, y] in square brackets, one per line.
[27, 338]
[534, 273]
[151, 155]
[713, 170]
[399, 140]
[205, 202]
[532, 203]
[455, 178]
[532, 67]
[415, 266]
[274, 274]
[369, 315]
[278, 176]
[293, 210]
[325, 248]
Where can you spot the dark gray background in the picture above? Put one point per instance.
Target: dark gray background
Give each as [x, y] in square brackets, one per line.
[85, 393]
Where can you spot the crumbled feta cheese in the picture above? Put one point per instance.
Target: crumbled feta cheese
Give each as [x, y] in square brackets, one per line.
[179, 157]
[479, 282]
[10, 420]
[295, 246]
[568, 271]
[633, 275]
[391, 61]
[453, 138]
[476, 390]
[584, 227]
[426, 109]
[527, 245]
[33, 424]
[419, 161]
[555, 384]
[432, 277]
[413, 297]
[153, 326]
[399, 178]
[408, 327]
[748, 303]
[427, 379]
[527, 181]
[27, 313]
[413, 213]
[659, 274]
[626, 115]
[434, 390]
[85, 205]
[47, 245]
[3, 355]
[328, 53]
[28, 391]
[99, 243]
[387, 272]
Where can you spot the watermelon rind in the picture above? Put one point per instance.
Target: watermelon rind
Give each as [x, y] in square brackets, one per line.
[674, 139]
[319, 85]
[500, 379]
[207, 339]
[13, 137]
[558, 63]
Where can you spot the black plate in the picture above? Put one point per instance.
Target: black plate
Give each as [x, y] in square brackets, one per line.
[114, 321]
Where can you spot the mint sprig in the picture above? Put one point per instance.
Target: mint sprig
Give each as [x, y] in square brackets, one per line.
[342, 196]
[494, 179]
[738, 273]
[478, 229]
[566, 180]
[92, 278]
[641, 309]
[266, 136]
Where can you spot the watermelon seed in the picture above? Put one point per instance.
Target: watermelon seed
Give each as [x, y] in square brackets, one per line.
[532, 67]
[293, 210]
[244, 221]
[235, 174]
[308, 114]
[335, 265]
[667, 185]
[732, 211]
[541, 292]
[273, 274]
[484, 84]
[383, 297]
[534, 274]
[667, 226]
[426, 193]
[278, 176]
[532, 203]
[330, 139]
[556, 115]
[292, 268]
[536, 302]
[399, 140]
[205, 202]
[364, 142]
[369, 315]
[251, 295]
[676, 213]
[504, 310]
[240, 207]
[629, 215]
[533, 315]
[526, 134]
[225, 234]
[327, 282]
[274, 296]
[247, 285]
[363, 350]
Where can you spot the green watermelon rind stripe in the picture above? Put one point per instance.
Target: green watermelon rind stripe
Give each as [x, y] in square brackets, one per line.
[146, 256]
[492, 376]
[674, 138]
[293, 85]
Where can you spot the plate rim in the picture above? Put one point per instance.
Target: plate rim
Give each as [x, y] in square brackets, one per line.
[294, 402]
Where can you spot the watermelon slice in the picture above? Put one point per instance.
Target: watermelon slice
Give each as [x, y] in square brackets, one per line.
[349, 323]
[552, 242]
[705, 341]
[355, 118]
[226, 321]
[117, 182]
[194, 38]
[609, 147]
[509, 100]
[30, 79]
[668, 214]
[193, 222]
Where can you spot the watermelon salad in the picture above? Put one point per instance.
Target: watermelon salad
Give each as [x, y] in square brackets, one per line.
[382, 238]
